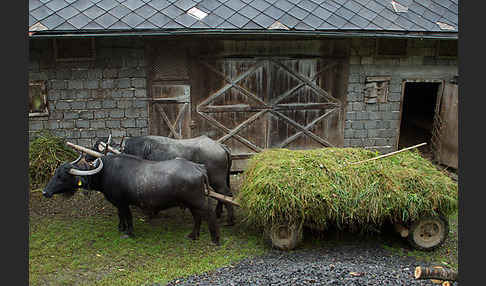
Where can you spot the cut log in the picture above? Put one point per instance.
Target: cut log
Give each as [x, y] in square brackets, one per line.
[435, 273]
[446, 283]
[403, 231]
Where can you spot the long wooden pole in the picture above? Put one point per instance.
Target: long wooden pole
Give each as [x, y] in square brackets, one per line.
[220, 197]
[390, 154]
[85, 150]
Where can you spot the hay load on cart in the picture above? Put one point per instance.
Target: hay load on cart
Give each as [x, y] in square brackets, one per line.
[284, 190]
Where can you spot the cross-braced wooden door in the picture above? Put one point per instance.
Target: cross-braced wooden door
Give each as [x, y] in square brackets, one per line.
[254, 104]
[170, 111]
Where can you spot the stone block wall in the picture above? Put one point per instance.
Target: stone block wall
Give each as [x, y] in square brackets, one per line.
[376, 125]
[89, 99]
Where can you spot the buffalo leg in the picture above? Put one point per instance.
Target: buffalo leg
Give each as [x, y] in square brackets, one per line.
[213, 226]
[126, 220]
[219, 209]
[231, 216]
[129, 222]
[196, 216]
[224, 190]
[122, 224]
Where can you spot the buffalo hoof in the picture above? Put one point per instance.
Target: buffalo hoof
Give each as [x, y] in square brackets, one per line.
[230, 223]
[191, 236]
[128, 235]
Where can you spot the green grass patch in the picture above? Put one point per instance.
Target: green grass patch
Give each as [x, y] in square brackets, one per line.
[46, 153]
[321, 187]
[90, 251]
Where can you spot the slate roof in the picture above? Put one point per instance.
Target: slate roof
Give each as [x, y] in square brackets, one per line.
[101, 16]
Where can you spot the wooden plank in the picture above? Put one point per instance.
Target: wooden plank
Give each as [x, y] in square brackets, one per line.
[307, 127]
[449, 134]
[167, 121]
[305, 106]
[302, 128]
[239, 127]
[317, 89]
[236, 136]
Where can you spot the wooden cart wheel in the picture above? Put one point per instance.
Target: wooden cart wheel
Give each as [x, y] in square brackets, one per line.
[286, 236]
[429, 233]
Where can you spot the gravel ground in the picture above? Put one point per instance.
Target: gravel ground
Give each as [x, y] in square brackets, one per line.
[347, 264]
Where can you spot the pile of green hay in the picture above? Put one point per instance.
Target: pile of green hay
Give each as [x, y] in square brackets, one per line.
[46, 153]
[321, 188]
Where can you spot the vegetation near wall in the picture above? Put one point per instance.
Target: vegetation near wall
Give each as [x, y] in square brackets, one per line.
[46, 153]
[321, 187]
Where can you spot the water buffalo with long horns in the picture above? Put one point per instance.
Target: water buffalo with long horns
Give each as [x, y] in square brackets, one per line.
[203, 150]
[128, 180]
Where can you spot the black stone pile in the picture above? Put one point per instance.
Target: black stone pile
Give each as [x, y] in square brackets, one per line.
[345, 264]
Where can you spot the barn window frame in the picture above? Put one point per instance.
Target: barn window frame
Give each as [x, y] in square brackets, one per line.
[376, 89]
[44, 111]
[379, 43]
[440, 55]
[57, 46]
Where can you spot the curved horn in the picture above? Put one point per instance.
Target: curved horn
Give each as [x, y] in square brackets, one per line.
[77, 172]
[77, 160]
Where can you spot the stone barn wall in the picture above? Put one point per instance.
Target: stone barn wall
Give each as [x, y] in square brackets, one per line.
[376, 125]
[88, 99]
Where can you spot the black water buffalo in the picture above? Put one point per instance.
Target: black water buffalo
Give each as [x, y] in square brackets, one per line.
[128, 180]
[203, 150]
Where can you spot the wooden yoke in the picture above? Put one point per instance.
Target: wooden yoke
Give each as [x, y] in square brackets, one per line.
[85, 150]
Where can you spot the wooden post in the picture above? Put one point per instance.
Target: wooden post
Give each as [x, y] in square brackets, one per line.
[435, 273]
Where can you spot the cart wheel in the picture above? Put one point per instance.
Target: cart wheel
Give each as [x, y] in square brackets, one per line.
[286, 236]
[428, 233]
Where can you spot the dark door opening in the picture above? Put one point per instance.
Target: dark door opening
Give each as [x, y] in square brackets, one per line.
[418, 110]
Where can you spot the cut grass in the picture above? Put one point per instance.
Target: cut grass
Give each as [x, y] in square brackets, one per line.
[321, 188]
[90, 250]
[46, 153]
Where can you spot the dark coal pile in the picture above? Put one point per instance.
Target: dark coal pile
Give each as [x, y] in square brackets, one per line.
[346, 264]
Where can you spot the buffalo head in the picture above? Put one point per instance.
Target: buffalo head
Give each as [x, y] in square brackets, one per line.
[64, 179]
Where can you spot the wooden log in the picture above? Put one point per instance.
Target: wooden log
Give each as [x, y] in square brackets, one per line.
[85, 150]
[403, 231]
[435, 273]
[446, 283]
[390, 154]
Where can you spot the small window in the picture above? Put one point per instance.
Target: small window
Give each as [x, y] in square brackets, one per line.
[447, 49]
[391, 47]
[74, 49]
[376, 89]
[38, 99]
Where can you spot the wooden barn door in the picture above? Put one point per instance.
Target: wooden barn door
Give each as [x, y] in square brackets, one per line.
[170, 111]
[251, 104]
[448, 134]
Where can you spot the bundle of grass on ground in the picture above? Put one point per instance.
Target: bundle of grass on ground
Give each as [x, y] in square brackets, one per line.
[46, 153]
[321, 188]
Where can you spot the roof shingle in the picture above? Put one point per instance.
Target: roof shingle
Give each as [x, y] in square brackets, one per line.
[309, 15]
